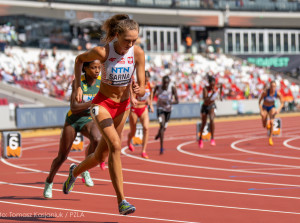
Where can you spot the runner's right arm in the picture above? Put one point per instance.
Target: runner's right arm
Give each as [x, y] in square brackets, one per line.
[97, 53]
[260, 99]
[75, 106]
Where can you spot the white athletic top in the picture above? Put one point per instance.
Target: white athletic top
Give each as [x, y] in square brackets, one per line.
[118, 69]
[164, 100]
[214, 95]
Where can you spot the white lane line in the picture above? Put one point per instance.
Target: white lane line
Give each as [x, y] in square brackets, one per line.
[179, 148]
[206, 167]
[198, 177]
[170, 138]
[233, 146]
[41, 146]
[94, 212]
[160, 186]
[152, 200]
[285, 143]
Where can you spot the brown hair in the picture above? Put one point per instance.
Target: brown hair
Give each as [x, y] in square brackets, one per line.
[118, 24]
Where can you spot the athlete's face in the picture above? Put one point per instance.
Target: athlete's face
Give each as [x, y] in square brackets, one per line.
[166, 83]
[212, 84]
[273, 87]
[93, 69]
[147, 79]
[127, 39]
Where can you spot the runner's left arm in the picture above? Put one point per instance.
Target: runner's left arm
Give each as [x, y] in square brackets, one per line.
[174, 93]
[279, 95]
[75, 106]
[150, 99]
[139, 87]
[221, 88]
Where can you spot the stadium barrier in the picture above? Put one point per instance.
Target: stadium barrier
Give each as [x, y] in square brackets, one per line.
[11, 145]
[43, 117]
[40, 117]
[7, 115]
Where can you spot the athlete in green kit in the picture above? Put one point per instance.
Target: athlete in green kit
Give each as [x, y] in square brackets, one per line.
[78, 119]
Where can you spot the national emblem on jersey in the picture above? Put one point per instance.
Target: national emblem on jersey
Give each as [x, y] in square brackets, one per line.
[118, 69]
[112, 59]
[130, 60]
[84, 87]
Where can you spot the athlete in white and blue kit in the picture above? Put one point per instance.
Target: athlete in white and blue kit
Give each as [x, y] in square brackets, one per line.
[120, 58]
[166, 97]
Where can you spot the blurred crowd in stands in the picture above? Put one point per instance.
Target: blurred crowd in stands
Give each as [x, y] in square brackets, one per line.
[8, 35]
[50, 72]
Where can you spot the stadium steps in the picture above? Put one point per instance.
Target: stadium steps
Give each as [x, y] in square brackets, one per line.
[20, 95]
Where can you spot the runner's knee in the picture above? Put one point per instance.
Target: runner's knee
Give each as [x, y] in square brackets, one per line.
[145, 129]
[115, 146]
[61, 158]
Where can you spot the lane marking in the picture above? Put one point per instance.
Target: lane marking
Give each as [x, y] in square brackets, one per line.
[162, 186]
[247, 176]
[199, 177]
[205, 167]
[278, 188]
[94, 212]
[179, 148]
[163, 201]
[285, 143]
[233, 146]
[40, 146]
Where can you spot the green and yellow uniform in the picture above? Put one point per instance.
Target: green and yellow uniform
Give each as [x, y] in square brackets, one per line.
[77, 121]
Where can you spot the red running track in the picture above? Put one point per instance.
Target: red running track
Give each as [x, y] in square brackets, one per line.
[241, 179]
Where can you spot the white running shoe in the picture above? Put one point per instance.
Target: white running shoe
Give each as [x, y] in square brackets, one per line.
[48, 190]
[87, 179]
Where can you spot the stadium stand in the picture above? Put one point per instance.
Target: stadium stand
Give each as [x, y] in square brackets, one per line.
[254, 5]
[50, 74]
[35, 70]
[3, 101]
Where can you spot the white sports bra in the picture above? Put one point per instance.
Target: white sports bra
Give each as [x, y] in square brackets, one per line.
[214, 95]
[164, 98]
[118, 69]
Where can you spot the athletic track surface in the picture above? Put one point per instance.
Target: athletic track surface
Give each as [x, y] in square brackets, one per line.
[240, 180]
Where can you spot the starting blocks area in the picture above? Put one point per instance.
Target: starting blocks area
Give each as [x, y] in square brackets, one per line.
[137, 140]
[277, 127]
[11, 145]
[206, 134]
[78, 143]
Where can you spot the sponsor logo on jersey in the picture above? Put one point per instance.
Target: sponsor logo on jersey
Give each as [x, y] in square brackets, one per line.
[112, 59]
[87, 98]
[122, 61]
[120, 70]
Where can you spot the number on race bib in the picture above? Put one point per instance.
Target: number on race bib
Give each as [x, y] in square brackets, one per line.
[11, 144]
[78, 143]
[277, 127]
[138, 137]
[206, 134]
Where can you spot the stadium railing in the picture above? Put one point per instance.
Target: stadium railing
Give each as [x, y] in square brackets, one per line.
[239, 5]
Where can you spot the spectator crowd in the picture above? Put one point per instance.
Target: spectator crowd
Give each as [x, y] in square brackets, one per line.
[50, 72]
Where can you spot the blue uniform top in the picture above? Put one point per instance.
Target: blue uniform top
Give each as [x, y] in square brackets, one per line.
[270, 98]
